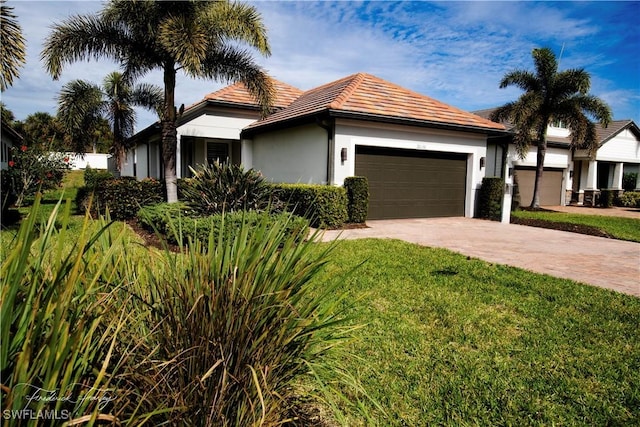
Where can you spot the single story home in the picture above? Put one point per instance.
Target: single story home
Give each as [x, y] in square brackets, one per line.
[423, 158]
[570, 176]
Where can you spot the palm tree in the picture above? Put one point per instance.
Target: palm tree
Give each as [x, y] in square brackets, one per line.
[82, 107]
[12, 46]
[201, 38]
[551, 95]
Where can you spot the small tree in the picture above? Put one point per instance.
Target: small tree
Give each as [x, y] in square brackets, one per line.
[31, 168]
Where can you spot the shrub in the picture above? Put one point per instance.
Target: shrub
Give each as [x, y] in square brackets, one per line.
[490, 198]
[57, 318]
[217, 188]
[606, 198]
[629, 181]
[234, 325]
[177, 221]
[123, 196]
[324, 206]
[629, 199]
[357, 188]
[93, 177]
[33, 168]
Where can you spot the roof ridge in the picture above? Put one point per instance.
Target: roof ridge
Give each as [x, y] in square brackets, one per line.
[356, 80]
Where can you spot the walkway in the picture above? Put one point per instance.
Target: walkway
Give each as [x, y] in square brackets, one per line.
[607, 263]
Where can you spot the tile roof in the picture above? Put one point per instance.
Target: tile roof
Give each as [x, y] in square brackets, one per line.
[603, 134]
[366, 95]
[238, 94]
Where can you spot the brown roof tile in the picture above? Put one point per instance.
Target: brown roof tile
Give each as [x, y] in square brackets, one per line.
[238, 94]
[371, 96]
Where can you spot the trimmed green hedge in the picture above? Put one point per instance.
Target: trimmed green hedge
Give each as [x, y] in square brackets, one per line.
[123, 196]
[629, 199]
[177, 223]
[325, 206]
[490, 198]
[357, 188]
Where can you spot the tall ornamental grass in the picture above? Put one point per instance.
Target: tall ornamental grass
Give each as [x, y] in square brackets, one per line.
[229, 332]
[56, 356]
[234, 326]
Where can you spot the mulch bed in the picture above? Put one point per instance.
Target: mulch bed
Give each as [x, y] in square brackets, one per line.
[573, 228]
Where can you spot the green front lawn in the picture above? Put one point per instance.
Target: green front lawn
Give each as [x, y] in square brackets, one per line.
[456, 341]
[620, 228]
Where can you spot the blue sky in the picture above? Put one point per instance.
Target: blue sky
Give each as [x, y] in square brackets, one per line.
[455, 52]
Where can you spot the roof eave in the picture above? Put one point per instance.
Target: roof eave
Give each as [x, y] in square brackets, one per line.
[416, 122]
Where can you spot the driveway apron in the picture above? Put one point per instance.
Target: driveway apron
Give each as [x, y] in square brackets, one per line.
[607, 263]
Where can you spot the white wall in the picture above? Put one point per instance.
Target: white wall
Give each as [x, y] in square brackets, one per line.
[349, 134]
[221, 124]
[624, 147]
[296, 155]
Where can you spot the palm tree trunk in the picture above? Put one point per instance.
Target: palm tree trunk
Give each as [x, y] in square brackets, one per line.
[542, 151]
[169, 133]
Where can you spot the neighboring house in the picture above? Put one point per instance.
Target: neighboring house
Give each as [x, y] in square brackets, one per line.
[423, 158]
[10, 138]
[570, 176]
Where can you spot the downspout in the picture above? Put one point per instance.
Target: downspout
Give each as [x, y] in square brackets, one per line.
[329, 126]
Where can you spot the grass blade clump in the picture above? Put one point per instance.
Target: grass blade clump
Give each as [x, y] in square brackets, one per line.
[56, 339]
[237, 325]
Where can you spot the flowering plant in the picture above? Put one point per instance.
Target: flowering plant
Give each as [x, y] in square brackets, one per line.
[31, 168]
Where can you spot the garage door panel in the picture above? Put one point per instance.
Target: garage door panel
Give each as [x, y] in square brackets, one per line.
[550, 191]
[412, 184]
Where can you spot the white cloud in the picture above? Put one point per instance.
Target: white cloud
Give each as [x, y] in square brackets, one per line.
[456, 52]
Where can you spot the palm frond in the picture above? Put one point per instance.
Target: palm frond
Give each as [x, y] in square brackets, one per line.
[148, 96]
[234, 65]
[12, 46]
[82, 37]
[522, 79]
[80, 107]
[546, 66]
[236, 21]
[185, 39]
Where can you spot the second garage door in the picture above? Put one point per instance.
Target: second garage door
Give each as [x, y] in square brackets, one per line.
[551, 191]
[412, 184]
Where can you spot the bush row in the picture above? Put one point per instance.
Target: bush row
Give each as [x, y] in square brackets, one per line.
[323, 205]
[178, 223]
[629, 199]
[123, 197]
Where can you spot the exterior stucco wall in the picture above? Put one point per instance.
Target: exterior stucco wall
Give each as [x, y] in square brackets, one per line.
[349, 134]
[296, 155]
[624, 147]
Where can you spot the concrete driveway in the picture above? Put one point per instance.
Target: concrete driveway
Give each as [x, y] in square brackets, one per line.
[607, 263]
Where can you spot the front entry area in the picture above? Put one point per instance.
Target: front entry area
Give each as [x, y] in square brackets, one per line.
[411, 183]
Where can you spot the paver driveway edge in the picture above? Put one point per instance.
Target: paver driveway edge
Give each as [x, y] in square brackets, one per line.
[607, 263]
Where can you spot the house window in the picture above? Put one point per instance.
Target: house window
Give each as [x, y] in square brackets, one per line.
[558, 124]
[217, 152]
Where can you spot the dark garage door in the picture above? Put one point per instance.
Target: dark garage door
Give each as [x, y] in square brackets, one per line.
[412, 184]
[551, 191]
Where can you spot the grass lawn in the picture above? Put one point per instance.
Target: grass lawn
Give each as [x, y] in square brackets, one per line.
[620, 228]
[453, 341]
